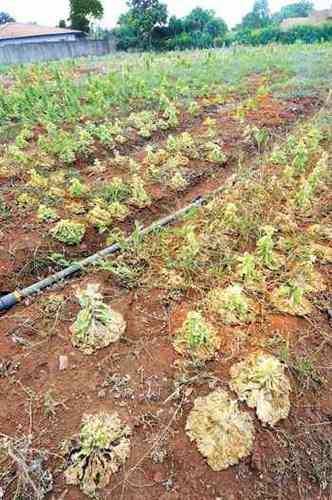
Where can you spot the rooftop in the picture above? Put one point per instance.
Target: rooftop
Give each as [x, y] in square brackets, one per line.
[22, 30]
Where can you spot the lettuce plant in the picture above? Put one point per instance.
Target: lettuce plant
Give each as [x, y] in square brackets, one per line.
[139, 197]
[100, 218]
[290, 299]
[37, 180]
[178, 182]
[196, 337]
[265, 246]
[223, 433]
[214, 153]
[189, 249]
[68, 232]
[97, 452]
[46, 214]
[96, 325]
[77, 189]
[26, 200]
[231, 305]
[261, 382]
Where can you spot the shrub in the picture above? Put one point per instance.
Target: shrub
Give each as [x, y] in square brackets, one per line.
[274, 34]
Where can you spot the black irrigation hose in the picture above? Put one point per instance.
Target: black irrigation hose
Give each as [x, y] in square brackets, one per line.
[13, 298]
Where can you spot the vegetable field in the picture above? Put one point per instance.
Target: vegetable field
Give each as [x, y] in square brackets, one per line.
[196, 362]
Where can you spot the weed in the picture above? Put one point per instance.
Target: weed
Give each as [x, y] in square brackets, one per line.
[126, 275]
[247, 268]
[116, 190]
[306, 373]
[259, 136]
[32, 478]
[59, 260]
[51, 403]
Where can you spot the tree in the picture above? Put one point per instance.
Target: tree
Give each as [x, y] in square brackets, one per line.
[83, 11]
[175, 26]
[125, 33]
[144, 26]
[62, 23]
[216, 27]
[6, 18]
[259, 17]
[204, 26]
[144, 16]
[198, 19]
[299, 9]
[261, 9]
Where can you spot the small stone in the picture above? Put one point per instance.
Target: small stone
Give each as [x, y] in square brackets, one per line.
[257, 462]
[102, 394]
[63, 363]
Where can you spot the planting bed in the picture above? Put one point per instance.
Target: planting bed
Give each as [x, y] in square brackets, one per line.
[88, 154]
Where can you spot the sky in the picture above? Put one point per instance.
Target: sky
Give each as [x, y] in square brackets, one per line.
[49, 12]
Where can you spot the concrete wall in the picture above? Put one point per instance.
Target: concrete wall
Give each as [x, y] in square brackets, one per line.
[48, 51]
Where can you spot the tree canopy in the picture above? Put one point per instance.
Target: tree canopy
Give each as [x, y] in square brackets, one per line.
[299, 9]
[83, 11]
[145, 26]
[6, 18]
[144, 16]
[259, 17]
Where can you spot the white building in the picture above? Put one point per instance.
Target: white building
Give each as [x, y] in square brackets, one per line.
[18, 33]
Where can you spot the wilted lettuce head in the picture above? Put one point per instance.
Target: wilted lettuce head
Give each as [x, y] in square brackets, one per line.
[99, 450]
[260, 380]
[290, 299]
[231, 305]
[96, 325]
[224, 434]
[196, 337]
